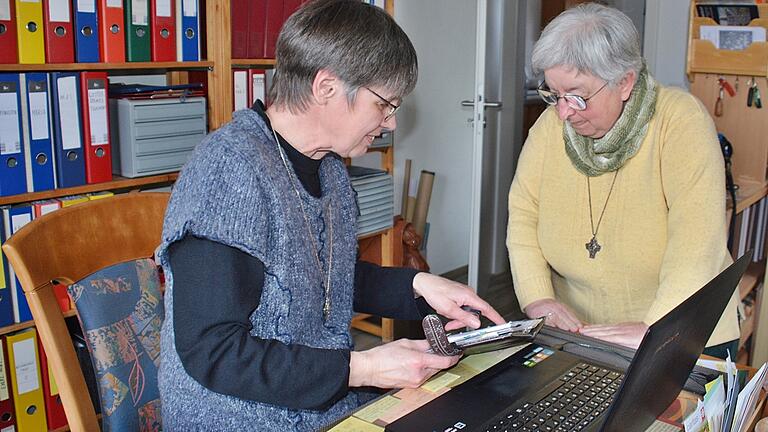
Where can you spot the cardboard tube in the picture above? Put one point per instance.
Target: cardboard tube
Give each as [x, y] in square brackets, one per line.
[423, 196]
[406, 187]
[410, 207]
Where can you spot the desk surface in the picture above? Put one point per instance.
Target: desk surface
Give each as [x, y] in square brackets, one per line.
[375, 415]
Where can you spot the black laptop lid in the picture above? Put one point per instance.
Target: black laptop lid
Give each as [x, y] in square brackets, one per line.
[669, 351]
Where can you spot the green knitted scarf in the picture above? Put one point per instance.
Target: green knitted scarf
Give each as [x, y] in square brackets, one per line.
[594, 157]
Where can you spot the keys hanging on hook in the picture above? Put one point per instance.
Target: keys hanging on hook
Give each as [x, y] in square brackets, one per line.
[736, 84]
[719, 103]
[756, 96]
[724, 84]
[751, 91]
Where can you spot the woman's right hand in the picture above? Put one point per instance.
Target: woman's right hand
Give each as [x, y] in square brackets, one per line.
[403, 363]
[556, 314]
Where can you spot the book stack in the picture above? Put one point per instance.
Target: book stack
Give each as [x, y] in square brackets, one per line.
[375, 193]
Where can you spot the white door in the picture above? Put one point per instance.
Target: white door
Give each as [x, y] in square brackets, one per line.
[435, 130]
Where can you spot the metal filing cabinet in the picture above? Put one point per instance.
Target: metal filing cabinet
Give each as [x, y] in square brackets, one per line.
[153, 136]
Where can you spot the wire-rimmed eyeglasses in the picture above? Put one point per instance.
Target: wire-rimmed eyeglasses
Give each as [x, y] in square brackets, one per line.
[391, 108]
[579, 103]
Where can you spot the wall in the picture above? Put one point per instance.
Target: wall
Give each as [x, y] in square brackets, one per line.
[665, 40]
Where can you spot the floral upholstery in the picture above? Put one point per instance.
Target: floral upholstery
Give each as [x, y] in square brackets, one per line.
[121, 310]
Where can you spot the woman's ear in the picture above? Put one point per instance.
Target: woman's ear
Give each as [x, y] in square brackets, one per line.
[325, 86]
[627, 84]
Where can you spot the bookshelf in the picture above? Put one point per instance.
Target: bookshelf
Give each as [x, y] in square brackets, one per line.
[746, 128]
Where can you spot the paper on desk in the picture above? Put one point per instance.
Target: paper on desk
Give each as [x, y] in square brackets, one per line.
[718, 365]
[731, 394]
[714, 402]
[441, 381]
[697, 420]
[747, 400]
[352, 424]
[372, 412]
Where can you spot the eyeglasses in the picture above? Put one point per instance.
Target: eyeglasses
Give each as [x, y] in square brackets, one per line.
[391, 108]
[579, 103]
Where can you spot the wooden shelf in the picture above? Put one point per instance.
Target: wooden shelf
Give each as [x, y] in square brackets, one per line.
[752, 278]
[253, 62]
[27, 324]
[117, 184]
[749, 192]
[106, 66]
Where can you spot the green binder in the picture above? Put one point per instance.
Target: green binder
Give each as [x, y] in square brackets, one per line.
[137, 31]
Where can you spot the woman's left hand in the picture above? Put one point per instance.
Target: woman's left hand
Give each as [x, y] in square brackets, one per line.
[628, 333]
[447, 297]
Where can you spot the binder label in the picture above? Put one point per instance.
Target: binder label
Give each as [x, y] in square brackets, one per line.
[69, 113]
[4, 393]
[97, 104]
[26, 365]
[58, 10]
[38, 114]
[9, 122]
[163, 8]
[138, 12]
[30, 1]
[190, 8]
[5, 10]
[241, 90]
[86, 6]
[115, 3]
[258, 86]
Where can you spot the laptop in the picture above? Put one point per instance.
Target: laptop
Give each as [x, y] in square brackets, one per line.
[543, 389]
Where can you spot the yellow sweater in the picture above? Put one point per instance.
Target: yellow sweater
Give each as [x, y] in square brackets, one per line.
[663, 235]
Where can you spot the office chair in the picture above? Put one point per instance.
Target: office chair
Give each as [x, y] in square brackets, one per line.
[103, 251]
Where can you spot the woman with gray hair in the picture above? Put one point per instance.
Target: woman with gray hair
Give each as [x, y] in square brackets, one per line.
[259, 245]
[617, 208]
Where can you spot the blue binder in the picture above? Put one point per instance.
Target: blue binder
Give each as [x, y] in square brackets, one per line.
[13, 219]
[67, 129]
[36, 126]
[6, 300]
[86, 32]
[13, 178]
[188, 34]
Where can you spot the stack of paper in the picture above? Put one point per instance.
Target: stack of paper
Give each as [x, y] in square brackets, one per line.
[375, 199]
[726, 407]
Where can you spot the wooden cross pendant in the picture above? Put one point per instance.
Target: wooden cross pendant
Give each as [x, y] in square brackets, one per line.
[593, 247]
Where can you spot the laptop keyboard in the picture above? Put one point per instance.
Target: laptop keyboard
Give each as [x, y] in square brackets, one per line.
[585, 392]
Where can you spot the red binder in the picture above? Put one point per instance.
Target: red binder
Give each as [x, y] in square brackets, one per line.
[54, 409]
[240, 16]
[59, 39]
[111, 31]
[274, 23]
[289, 7]
[256, 28]
[96, 140]
[8, 42]
[7, 417]
[162, 23]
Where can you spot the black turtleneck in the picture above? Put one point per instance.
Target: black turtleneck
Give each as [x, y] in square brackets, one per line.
[212, 330]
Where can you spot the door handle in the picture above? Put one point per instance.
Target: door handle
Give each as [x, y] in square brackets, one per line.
[469, 103]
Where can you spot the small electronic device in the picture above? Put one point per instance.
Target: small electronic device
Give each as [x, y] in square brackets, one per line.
[481, 340]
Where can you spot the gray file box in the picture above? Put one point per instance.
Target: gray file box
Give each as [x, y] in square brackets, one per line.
[153, 136]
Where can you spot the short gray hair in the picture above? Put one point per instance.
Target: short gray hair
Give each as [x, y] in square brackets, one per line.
[592, 38]
[359, 43]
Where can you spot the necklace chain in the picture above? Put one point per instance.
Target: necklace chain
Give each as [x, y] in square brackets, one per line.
[315, 248]
[593, 247]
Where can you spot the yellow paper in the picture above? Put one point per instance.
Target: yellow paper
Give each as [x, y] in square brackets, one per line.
[352, 424]
[440, 381]
[372, 412]
[410, 400]
[481, 362]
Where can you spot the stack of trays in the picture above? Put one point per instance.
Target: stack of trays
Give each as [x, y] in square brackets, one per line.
[375, 199]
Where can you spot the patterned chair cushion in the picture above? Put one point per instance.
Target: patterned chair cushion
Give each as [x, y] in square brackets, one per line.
[121, 310]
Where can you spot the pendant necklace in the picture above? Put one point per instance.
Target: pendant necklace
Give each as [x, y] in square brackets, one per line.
[593, 247]
[315, 249]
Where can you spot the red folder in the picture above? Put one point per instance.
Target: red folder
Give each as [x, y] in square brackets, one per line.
[8, 42]
[274, 23]
[162, 23]
[7, 417]
[59, 40]
[96, 140]
[111, 31]
[257, 27]
[54, 409]
[240, 11]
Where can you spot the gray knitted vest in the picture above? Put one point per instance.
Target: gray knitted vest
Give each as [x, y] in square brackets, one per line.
[235, 190]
